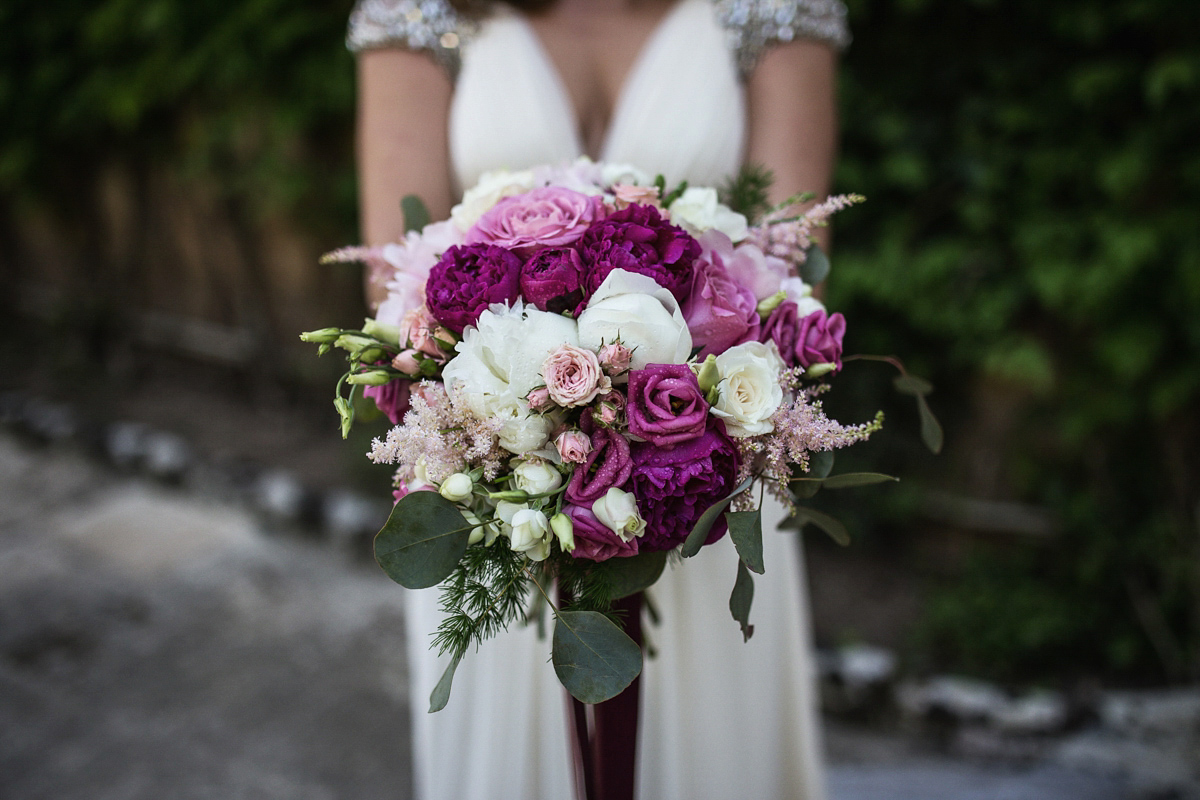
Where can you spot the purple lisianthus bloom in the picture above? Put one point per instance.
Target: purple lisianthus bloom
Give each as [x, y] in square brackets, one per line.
[552, 279]
[782, 327]
[819, 339]
[391, 398]
[594, 539]
[606, 466]
[548, 217]
[638, 239]
[467, 280]
[719, 312]
[675, 486]
[665, 405]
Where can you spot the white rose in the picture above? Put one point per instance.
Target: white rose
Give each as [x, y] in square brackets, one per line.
[697, 210]
[642, 314]
[530, 534]
[493, 187]
[612, 174]
[801, 294]
[457, 487]
[499, 361]
[535, 477]
[749, 388]
[618, 510]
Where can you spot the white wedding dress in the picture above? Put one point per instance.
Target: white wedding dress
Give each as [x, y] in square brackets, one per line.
[720, 718]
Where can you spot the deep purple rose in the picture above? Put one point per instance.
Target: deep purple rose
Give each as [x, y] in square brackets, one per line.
[819, 340]
[552, 216]
[467, 280]
[675, 486]
[594, 539]
[719, 312]
[638, 239]
[552, 280]
[665, 405]
[391, 398]
[783, 328]
[606, 466]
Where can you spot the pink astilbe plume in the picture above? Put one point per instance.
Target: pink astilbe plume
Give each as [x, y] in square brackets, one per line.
[785, 235]
[443, 432]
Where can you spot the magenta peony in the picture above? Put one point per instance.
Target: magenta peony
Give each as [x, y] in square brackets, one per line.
[552, 280]
[638, 239]
[467, 280]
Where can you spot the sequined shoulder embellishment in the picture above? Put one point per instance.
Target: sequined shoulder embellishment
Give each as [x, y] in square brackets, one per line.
[431, 26]
[753, 26]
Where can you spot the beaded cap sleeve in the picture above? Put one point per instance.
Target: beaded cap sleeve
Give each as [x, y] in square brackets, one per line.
[753, 26]
[431, 26]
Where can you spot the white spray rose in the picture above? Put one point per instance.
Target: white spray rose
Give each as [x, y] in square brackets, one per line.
[698, 210]
[534, 477]
[493, 187]
[531, 534]
[457, 487]
[499, 361]
[618, 510]
[644, 316]
[749, 388]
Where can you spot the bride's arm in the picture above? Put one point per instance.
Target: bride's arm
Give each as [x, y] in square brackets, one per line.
[403, 107]
[793, 118]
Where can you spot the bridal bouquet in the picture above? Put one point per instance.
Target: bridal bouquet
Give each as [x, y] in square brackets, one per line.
[588, 372]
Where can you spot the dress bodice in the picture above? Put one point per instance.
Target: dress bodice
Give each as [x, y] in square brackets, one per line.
[681, 110]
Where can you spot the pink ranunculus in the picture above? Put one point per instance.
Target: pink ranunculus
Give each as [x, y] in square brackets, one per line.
[595, 540]
[719, 312]
[820, 339]
[573, 376]
[547, 217]
[627, 194]
[615, 358]
[573, 446]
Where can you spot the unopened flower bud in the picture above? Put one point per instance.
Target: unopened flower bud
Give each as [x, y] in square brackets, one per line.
[346, 413]
[375, 377]
[370, 355]
[564, 529]
[382, 332]
[509, 496]
[407, 362]
[707, 375]
[352, 343]
[615, 358]
[819, 370]
[457, 487]
[539, 399]
[323, 336]
[769, 304]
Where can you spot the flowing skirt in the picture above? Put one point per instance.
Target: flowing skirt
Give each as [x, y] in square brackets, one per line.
[720, 718]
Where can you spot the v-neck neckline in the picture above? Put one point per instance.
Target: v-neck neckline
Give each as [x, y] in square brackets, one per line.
[631, 78]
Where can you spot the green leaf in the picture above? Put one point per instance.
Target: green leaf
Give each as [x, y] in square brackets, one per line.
[441, 693]
[416, 216]
[745, 528]
[911, 384]
[931, 429]
[699, 534]
[816, 265]
[836, 530]
[629, 575]
[820, 464]
[593, 658]
[422, 541]
[740, 600]
[850, 479]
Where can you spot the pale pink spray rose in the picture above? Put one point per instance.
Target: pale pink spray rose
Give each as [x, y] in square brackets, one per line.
[407, 361]
[573, 376]
[422, 331]
[547, 217]
[539, 399]
[611, 408]
[627, 195]
[573, 446]
[615, 358]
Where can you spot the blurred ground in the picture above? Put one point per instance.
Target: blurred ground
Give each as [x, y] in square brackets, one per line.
[158, 643]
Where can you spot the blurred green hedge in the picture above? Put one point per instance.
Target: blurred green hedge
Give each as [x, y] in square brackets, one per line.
[1030, 243]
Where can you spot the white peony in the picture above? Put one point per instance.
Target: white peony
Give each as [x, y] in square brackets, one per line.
[493, 187]
[499, 361]
[618, 510]
[644, 316]
[535, 477]
[749, 388]
[698, 210]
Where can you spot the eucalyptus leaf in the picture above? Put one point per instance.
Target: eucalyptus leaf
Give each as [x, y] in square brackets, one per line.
[820, 464]
[634, 574]
[931, 429]
[836, 530]
[816, 265]
[911, 384]
[593, 658]
[422, 541]
[740, 600]
[441, 693]
[745, 528]
[416, 216]
[850, 479]
[699, 534]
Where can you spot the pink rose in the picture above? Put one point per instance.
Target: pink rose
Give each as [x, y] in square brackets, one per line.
[573, 446]
[615, 358]
[719, 312]
[819, 340]
[548, 217]
[628, 195]
[611, 408]
[422, 331]
[573, 376]
[407, 362]
[748, 265]
[539, 399]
